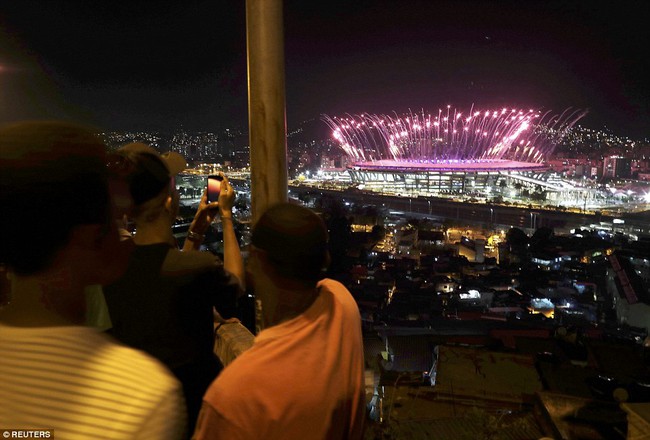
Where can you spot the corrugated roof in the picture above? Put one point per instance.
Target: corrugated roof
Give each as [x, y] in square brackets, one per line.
[509, 428]
[411, 353]
[478, 373]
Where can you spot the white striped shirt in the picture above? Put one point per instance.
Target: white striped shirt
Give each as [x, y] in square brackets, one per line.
[84, 385]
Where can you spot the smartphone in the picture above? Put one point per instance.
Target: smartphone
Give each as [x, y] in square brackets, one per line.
[214, 187]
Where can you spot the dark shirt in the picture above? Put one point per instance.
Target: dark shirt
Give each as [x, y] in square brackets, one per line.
[163, 303]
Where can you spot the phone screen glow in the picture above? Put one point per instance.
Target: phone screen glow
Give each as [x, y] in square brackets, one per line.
[214, 188]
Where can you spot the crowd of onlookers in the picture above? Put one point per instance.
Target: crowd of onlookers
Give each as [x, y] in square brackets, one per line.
[108, 334]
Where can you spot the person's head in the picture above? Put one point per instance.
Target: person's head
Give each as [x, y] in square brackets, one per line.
[292, 242]
[150, 180]
[55, 198]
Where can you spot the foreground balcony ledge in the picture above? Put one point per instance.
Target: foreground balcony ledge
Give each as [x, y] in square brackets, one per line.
[230, 340]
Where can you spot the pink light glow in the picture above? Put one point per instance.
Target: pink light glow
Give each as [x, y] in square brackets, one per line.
[486, 135]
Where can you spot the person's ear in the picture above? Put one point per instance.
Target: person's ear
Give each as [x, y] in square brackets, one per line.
[169, 203]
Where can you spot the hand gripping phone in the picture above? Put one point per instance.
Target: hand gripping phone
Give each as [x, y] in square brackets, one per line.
[214, 187]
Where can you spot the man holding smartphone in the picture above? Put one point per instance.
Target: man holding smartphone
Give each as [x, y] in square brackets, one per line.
[163, 304]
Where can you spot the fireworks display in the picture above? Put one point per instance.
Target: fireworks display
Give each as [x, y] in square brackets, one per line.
[452, 135]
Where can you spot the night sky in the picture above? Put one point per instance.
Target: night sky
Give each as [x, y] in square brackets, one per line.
[159, 64]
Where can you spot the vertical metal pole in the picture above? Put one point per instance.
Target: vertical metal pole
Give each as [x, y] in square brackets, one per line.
[266, 104]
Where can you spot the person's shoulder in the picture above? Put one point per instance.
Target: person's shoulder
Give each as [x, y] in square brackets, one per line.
[108, 355]
[136, 357]
[140, 370]
[180, 262]
[336, 288]
[340, 294]
[111, 349]
[332, 285]
[103, 357]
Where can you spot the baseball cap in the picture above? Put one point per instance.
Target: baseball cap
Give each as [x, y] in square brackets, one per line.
[174, 162]
[149, 171]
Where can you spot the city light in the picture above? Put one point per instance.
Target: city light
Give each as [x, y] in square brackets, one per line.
[646, 197]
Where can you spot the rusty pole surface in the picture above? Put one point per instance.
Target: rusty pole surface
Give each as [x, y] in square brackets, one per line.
[266, 104]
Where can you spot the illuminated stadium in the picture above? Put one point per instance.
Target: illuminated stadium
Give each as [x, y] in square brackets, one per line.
[450, 152]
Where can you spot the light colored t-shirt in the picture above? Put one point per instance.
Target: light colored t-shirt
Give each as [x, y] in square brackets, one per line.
[302, 379]
[85, 386]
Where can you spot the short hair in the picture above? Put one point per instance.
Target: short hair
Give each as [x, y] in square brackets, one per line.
[294, 239]
[147, 173]
[52, 178]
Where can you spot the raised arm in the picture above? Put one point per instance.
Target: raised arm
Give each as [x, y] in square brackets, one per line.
[232, 259]
[204, 216]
